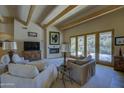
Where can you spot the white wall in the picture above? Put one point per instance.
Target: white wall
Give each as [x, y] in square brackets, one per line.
[7, 28]
[21, 35]
[53, 29]
[6, 33]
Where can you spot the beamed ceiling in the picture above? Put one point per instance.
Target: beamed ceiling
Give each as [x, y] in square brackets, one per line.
[62, 16]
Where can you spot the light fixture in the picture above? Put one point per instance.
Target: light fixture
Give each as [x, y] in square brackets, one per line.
[64, 49]
[10, 47]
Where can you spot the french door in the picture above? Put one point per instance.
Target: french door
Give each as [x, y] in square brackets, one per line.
[99, 45]
[105, 47]
[80, 46]
[91, 46]
[73, 46]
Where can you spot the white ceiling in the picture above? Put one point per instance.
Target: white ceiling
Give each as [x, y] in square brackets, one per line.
[38, 12]
[72, 12]
[55, 12]
[23, 12]
[4, 11]
[83, 11]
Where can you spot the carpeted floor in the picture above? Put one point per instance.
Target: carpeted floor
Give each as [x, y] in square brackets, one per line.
[105, 77]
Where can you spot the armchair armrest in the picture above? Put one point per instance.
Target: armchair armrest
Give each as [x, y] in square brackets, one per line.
[46, 77]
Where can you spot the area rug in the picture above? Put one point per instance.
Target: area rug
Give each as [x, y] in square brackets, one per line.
[102, 79]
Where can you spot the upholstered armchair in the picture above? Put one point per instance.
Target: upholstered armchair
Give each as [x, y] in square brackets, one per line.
[81, 73]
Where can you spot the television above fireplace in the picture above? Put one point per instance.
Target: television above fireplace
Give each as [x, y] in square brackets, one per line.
[31, 46]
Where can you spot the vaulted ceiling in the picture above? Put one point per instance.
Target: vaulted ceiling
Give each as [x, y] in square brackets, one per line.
[61, 16]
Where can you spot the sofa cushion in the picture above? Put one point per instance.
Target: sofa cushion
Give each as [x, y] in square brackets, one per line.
[80, 62]
[22, 70]
[19, 60]
[16, 58]
[81, 57]
[5, 59]
[87, 59]
[83, 61]
[39, 64]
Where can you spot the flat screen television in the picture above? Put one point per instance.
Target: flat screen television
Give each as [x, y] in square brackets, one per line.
[31, 46]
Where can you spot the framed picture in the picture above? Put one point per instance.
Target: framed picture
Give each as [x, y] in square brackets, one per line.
[119, 40]
[54, 38]
[32, 34]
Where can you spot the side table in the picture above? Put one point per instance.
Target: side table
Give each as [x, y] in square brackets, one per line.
[119, 63]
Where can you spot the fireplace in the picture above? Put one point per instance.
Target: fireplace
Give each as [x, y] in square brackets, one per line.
[53, 50]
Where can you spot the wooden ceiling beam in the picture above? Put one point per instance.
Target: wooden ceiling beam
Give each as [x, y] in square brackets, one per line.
[26, 23]
[65, 11]
[41, 26]
[32, 8]
[21, 21]
[48, 9]
[91, 16]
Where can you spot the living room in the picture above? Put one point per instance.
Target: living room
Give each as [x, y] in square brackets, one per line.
[61, 46]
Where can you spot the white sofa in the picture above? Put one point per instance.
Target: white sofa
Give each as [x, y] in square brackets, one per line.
[28, 76]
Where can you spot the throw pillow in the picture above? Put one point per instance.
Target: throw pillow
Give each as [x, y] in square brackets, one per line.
[5, 59]
[84, 61]
[19, 60]
[16, 58]
[81, 57]
[87, 59]
[39, 64]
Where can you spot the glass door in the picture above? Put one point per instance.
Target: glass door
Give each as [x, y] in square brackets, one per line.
[80, 46]
[91, 47]
[73, 46]
[105, 47]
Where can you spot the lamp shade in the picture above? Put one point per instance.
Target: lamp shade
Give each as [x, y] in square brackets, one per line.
[5, 46]
[9, 46]
[64, 47]
[13, 45]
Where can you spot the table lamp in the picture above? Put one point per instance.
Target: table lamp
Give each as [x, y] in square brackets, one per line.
[64, 49]
[10, 47]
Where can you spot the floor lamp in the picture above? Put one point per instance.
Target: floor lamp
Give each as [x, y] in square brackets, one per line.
[64, 50]
[10, 47]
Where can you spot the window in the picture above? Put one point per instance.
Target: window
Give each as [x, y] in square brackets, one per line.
[98, 44]
[80, 46]
[73, 46]
[91, 45]
[105, 45]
